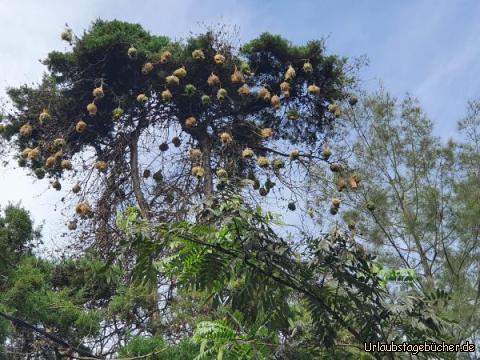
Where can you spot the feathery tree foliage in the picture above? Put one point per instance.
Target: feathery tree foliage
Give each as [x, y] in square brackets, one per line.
[413, 201]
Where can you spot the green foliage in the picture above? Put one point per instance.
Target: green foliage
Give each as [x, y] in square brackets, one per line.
[218, 339]
[155, 348]
[242, 266]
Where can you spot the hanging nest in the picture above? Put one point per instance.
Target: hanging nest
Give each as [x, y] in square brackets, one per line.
[308, 68]
[314, 89]
[198, 171]
[341, 184]
[335, 109]
[245, 68]
[247, 153]
[66, 164]
[26, 130]
[326, 152]
[278, 164]
[294, 154]
[39, 173]
[225, 138]
[370, 206]
[222, 94]
[163, 147]
[176, 141]
[57, 185]
[58, 155]
[76, 188]
[219, 59]
[190, 89]
[83, 210]
[263, 162]
[190, 122]
[222, 173]
[33, 154]
[237, 76]
[336, 202]
[117, 113]
[290, 73]
[292, 206]
[244, 90]
[132, 52]
[50, 162]
[142, 98]
[157, 176]
[213, 80]
[67, 35]
[266, 133]
[195, 154]
[146, 173]
[336, 167]
[92, 109]
[167, 95]
[352, 183]
[293, 114]
[264, 94]
[98, 92]
[263, 192]
[44, 116]
[353, 100]
[101, 165]
[59, 142]
[81, 126]
[72, 225]
[147, 68]
[172, 80]
[180, 72]
[275, 101]
[25, 152]
[198, 55]
[205, 99]
[166, 56]
[285, 88]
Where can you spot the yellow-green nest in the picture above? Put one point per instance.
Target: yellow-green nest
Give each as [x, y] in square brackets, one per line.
[248, 153]
[219, 59]
[198, 55]
[81, 126]
[263, 162]
[98, 92]
[101, 165]
[92, 109]
[180, 72]
[26, 130]
[198, 171]
[225, 138]
[190, 122]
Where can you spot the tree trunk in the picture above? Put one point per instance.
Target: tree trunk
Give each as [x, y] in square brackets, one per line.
[206, 148]
[136, 184]
[146, 214]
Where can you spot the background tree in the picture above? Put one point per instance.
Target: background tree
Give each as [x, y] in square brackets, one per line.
[411, 199]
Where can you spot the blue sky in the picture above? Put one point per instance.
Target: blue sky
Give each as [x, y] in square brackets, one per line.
[429, 48]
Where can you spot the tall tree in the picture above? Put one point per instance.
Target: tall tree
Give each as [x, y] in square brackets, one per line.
[411, 199]
[109, 111]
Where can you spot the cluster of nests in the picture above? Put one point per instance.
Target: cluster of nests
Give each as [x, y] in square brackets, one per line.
[83, 209]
